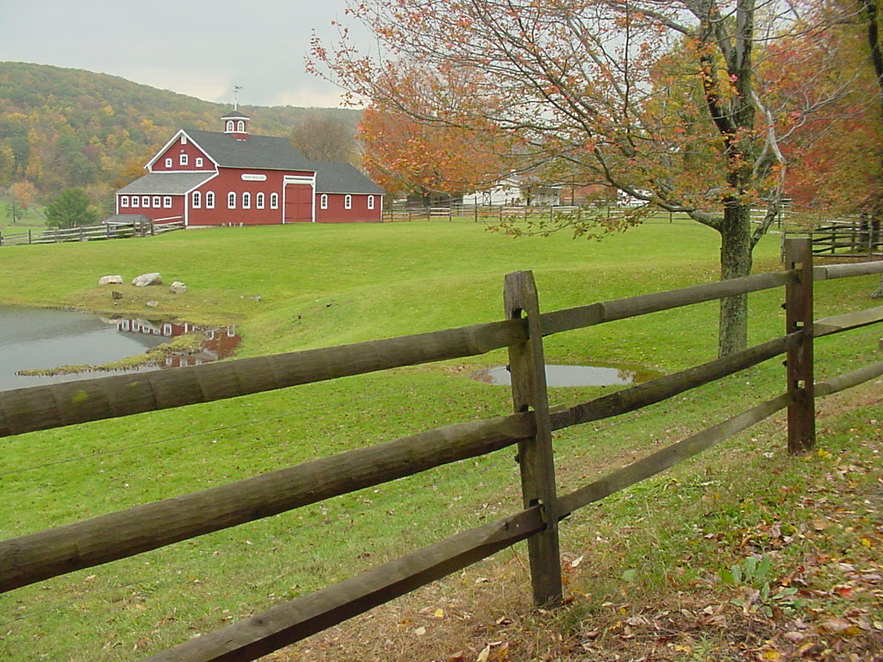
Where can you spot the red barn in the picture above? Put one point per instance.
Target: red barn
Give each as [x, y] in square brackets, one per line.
[232, 177]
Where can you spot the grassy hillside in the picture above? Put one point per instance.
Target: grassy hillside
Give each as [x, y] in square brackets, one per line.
[325, 285]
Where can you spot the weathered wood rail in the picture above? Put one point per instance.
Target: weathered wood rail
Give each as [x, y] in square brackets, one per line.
[115, 230]
[846, 238]
[56, 551]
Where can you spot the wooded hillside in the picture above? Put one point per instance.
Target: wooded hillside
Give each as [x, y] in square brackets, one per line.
[69, 127]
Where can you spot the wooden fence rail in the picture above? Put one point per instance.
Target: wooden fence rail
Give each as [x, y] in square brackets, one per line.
[115, 230]
[37, 556]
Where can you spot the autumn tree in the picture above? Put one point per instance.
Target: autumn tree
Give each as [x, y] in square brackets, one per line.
[322, 136]
[21, 197]
[407, 156]
[69, 209]
[665, 101]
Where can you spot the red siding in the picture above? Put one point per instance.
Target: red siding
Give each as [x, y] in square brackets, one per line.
[177, 208]
[230, 180]
[174, 152]
[337, 213]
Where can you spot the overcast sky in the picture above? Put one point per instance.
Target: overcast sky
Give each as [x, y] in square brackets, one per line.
[196, 47]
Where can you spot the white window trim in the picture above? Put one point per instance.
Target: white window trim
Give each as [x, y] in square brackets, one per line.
[370, 202]
[199, 161]
[259, 201]
[145, 201]
[196, 200]
[230, 126]
[274, 201]
[210, 200]
[347, 201]
[183, 158]
[156, 202]
[231, 200]
[240, 126]
[124, 201]
[323, 201]
[246, 200]
[169, 162]
[167, 202]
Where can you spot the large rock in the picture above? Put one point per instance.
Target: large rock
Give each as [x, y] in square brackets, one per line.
[147, 279]
[110, 280]
[177, 287]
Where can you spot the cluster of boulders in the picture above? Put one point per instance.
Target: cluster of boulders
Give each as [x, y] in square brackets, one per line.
[142, 281]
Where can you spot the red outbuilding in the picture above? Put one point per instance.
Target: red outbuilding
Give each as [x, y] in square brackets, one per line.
[232, 178]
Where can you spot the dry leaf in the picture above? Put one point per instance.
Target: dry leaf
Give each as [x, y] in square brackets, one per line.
[420, 631]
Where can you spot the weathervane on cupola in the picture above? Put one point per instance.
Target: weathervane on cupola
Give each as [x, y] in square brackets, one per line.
[236, 122]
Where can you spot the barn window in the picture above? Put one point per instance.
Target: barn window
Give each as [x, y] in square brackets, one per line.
[259, 201]
[197, 199]
[274, 201]
[199, 161]
[167, 201]
[169, 162]
[240, 126]
[145, 201]
[370, 202]
[246, 200]
[323, 201]
[156, 202]
[231, 200]
[124, 201]
[210, 200]
[182, 159]
[229, 126]
[347, 201]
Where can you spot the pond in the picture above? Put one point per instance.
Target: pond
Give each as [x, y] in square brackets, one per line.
[45, 339]
[573, 375]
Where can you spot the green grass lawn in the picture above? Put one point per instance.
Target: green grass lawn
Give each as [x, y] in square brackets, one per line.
[328, 285]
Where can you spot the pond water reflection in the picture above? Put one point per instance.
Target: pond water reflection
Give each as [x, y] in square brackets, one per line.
[45, 339]
[572, 375]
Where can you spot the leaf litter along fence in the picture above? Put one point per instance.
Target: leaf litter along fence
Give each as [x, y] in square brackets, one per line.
[31, 558]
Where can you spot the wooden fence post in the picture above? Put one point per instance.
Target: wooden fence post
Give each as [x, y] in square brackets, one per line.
[527, 365]
[799, 317]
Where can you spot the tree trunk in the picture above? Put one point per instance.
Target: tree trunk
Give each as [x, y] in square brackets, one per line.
[735, 262]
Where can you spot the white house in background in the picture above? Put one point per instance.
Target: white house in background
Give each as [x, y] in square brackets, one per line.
[514, 191]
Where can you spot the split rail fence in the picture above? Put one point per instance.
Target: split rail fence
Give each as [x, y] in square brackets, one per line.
[116, 230]
[31, 558]
[848, 238]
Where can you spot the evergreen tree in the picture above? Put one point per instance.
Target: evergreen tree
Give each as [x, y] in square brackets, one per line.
[69, 209]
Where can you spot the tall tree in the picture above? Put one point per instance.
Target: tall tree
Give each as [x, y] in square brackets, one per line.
[322, 136]
[21, 196]
[69, 209]
[405, 156]
[665, 101]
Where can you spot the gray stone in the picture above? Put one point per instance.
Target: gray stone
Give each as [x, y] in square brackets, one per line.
[177, 287]
[152, 304]
[110, 280]
[147, 279]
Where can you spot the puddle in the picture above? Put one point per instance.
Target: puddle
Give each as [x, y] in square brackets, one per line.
[573, 375]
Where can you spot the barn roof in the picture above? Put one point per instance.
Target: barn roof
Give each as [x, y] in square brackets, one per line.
[166, 183]
[268, 152]
[337, 177]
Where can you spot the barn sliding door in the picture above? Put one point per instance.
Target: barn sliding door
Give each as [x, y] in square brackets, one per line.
[298, 203]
